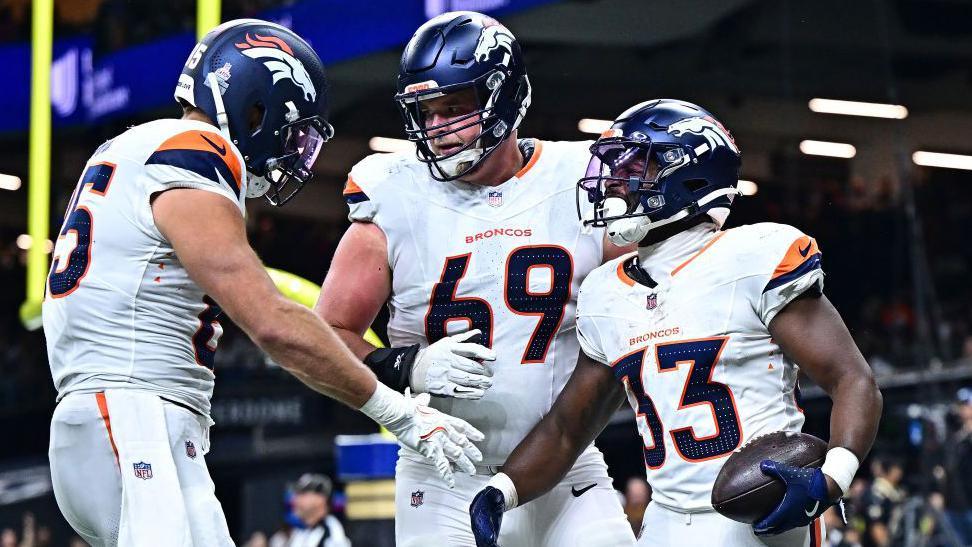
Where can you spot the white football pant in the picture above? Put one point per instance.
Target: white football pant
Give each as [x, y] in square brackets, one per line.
[663, 527]
[583, 510]
[129, 470]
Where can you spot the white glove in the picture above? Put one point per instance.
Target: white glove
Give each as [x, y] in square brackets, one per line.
[444, 440]
[448, 368]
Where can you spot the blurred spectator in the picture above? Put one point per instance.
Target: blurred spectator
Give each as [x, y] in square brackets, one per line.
[882, 502]
[956, 480]
[8, 538]
[257, 539]
[311, 503]
[637, 494]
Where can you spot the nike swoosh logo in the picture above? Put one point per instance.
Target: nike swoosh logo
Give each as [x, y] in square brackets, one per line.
[578, 493]
[220, 149]
[811, 512]
[805, 250]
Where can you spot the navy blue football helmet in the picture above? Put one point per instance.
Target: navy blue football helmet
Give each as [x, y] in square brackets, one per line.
[669, 161]
[265, 87]
[453, 52]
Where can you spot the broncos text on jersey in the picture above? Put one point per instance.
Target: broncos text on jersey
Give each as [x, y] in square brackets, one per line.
[505, 259]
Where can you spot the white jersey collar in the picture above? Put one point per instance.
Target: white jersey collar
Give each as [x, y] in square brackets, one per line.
[659, 260]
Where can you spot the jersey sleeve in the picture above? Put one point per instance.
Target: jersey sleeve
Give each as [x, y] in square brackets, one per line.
[197, 159]
[362, 191]
[792, 266]
[588, 333]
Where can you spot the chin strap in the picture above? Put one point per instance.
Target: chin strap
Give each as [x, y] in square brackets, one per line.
[221, 118]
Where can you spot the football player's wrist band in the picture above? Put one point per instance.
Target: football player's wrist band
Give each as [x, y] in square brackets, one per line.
[393, 366]
[503, 483]
[841, 466]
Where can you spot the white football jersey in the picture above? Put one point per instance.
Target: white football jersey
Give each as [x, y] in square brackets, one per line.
[506, 259]
[695, 355]
[120, 309]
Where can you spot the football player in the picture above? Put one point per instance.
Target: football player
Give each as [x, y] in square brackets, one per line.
[153, 246]
[702, 330]
[467, 245]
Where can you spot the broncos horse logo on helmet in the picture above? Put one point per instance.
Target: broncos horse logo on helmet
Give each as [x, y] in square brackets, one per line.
[279, 59]
[265, 88]
[663, 163]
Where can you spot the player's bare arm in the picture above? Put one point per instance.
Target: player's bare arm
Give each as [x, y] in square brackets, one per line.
[548, 452]
[578, 416]
[197, 223]
[811, 332]
[357, 285]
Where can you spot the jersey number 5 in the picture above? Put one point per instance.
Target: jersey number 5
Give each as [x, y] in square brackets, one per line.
[548, 306]
[701, 356]
[72, 253]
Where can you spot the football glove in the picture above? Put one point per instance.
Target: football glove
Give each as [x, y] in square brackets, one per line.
[447, 442]
[806, 498]
[452, 367]
[486, 515]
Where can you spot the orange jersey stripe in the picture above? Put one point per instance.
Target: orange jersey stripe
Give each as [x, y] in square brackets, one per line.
[623, 275]
[696, 255]
[801, 250]
[533, 159]
[103, 408]
[205, 141]
[351, 187]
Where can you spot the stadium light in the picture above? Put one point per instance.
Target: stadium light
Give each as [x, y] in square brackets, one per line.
[386, 144]
[747, 187]
[25, 242]
[9, 182]
[939, 159]
[855, 108]
[591, 125]
[831, 149]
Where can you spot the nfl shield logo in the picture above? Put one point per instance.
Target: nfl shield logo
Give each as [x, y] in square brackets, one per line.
[143, 470]
[652, 301]
[494, 199]
[418, 498]
[190, 450]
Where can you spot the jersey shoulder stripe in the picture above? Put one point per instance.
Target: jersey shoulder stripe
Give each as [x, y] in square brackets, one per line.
[204, 153]
[353, 193]
[801, 257]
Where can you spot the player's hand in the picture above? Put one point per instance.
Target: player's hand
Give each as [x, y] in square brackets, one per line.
[486, 515]
[453, 367]
[446, 441]
[806, 498]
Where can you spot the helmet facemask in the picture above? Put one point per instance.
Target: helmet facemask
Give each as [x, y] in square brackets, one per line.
[284, 175]
[495, 123]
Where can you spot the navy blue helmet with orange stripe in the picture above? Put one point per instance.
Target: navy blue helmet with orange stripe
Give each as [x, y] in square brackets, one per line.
[265, 88]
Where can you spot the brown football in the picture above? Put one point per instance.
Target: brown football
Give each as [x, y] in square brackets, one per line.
[743, 493]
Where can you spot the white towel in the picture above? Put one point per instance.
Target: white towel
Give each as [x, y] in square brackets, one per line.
[153, 511]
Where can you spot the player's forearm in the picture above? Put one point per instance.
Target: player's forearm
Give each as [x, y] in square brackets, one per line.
[304, 345]
[354, 341]
[543, 458]
[856, 413]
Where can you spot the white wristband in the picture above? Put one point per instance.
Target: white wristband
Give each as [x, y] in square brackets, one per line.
[503, 483]
[385, 405]
[841, 465]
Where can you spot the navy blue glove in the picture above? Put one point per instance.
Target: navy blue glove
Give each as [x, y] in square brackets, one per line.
[486, 514]
[806, 498]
